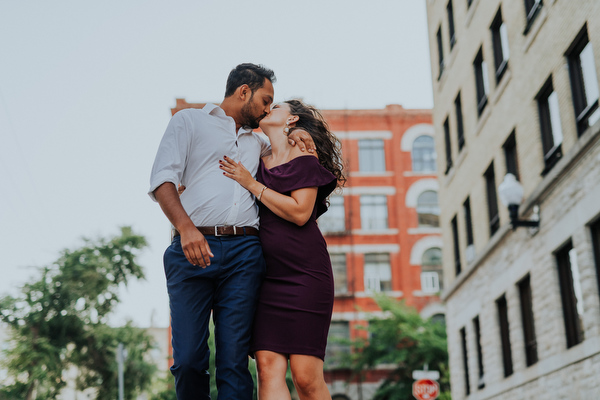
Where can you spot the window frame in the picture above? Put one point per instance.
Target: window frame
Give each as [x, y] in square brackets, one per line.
[549, 132]
[448, 145]
[425, 165]
[451, 28]
[337, 266]
[332, 216]
[583, 110]
[481, 370]
[481, 81]
[510, 155]
[460, 129]
[457, 264]
[528, 321]
[499, 45]
[371, 156]
[573, 323]
[492, 199]
[374, 206]
[465, 359]
[595, 234]
[532, 10]
[468, 221]
[440, 46]
[504, 330]
[387, 263]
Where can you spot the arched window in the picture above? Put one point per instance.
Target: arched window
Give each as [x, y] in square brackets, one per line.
[423, 154]
[432, 257]
[431, 271]
[428, 209]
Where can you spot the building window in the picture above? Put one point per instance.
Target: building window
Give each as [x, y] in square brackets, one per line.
[492, 199]
[338, 265]
[510, 155]
[595, 228]
[584, 82]
[378, 274]
[528, 322]
[428, 209]
[481, 81]
[371, 157]
[337, 349]
[334, 220]
[457, 266]
[468, 221]
[463, 339]
[448, 145]
[550, 125]
[450, 13]
[532, 9]
[373, 212]
[477, 329]
[504, 335]
[570, 292]
[423, 154]
[431, 270]
[500, 43]
[469, 2]
[460, 130]
[440, 51]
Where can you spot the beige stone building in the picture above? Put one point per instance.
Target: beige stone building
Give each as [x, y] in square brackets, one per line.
[516, 91]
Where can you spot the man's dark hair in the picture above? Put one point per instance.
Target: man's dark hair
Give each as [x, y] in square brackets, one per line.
[250, 74]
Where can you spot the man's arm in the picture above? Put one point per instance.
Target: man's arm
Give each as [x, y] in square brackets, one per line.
[193, 243]
[303, 139]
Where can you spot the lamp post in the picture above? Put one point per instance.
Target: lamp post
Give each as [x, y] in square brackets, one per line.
[511, 195]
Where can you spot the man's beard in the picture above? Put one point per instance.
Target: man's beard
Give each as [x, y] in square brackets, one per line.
[248, 117]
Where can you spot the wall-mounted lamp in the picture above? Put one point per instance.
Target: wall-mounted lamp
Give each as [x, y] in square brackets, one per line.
[511, 195]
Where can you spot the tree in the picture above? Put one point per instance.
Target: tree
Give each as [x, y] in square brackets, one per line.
[406, 341]
[59, 321]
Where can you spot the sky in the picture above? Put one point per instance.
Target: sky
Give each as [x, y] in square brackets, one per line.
[86, 90]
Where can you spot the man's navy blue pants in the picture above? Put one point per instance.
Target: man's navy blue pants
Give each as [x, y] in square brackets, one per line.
[229, 286]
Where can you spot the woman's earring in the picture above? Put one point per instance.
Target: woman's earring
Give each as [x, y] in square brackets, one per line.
[286, 130]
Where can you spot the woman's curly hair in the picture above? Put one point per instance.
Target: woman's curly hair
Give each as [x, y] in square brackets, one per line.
[329, 148]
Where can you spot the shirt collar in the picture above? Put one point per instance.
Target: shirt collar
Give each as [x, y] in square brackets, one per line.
[214, 109]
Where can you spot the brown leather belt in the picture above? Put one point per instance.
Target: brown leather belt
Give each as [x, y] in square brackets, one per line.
[224, 230]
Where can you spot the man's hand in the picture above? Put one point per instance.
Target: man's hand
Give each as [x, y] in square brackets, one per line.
[195, 247]
[193, 243]
[302, 139]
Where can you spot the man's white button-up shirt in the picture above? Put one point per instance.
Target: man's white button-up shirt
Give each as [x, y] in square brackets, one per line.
[189, 153]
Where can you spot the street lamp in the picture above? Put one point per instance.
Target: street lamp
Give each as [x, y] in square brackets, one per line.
[511, 195]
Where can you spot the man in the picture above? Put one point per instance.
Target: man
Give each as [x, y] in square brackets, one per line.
[215, 260]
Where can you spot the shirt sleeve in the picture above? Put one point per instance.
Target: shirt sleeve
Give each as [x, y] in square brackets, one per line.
[172, 154]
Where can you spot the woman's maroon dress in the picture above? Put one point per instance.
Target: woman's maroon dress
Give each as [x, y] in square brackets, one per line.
[296, 298]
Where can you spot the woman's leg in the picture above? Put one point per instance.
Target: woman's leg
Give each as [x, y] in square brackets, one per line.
[307, 372]
[271, 368]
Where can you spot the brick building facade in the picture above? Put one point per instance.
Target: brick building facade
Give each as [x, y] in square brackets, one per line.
[516, 91]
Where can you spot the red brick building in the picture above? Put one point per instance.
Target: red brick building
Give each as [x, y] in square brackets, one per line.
[382, 230]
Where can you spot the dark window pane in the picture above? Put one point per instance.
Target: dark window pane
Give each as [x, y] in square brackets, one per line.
[550, 124]
[570, 292]
[457, 265]
[500, 44]
[448, 145]
[477, 328]
[468, 221]
[492, 199]
[595, 228]
[440, 51]
[510, 155]
[584, 82]
[450, 13]
[528, 321]
[463, 337]
[460, 130]
[504, 335]
[481, 81]
[532, 9]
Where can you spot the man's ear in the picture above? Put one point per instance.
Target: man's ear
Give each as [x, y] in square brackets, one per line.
[244, 92]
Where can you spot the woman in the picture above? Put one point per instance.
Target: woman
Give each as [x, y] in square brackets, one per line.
[296, 300]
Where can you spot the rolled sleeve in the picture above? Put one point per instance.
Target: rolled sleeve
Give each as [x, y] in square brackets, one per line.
[172, 154]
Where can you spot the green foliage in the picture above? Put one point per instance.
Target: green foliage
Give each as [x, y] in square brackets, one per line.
[59, 321]
[405, 341]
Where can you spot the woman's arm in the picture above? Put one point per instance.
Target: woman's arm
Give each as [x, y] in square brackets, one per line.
[296, 208]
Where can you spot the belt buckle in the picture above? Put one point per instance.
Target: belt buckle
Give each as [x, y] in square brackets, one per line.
[222, 226]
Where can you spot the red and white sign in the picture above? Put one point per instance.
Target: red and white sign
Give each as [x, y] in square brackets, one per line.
[426, 389]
